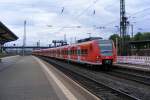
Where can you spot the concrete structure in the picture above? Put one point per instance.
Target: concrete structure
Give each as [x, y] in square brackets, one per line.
[18, 50]
[29, 78]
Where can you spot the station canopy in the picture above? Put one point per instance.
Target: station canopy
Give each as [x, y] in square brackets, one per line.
[6, 35]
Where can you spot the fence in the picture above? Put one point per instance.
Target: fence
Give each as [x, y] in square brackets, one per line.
[140, 60]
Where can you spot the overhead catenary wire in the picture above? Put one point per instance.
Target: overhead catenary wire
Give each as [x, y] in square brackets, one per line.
[138, 12]
[79, 15]
[130, 16]
[86, 9]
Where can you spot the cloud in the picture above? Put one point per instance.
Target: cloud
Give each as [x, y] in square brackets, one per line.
[39, 14]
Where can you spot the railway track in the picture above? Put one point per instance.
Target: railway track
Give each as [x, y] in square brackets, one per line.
[100, 89]
[137, 77]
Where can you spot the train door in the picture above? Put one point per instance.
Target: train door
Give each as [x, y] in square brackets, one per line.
[78, 53]
[60, 54]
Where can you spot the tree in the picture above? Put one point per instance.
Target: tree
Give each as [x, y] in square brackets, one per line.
[113, 37]
[146, 36]
[138, 37]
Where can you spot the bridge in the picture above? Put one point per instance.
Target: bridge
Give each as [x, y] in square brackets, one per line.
[13, 50]
[27, 47]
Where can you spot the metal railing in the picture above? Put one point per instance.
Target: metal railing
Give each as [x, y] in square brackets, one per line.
[139, 60]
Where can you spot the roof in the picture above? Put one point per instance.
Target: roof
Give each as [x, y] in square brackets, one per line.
[88, 39]
[6, 35]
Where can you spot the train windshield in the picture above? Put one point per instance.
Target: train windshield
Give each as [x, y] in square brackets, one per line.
[106, 47]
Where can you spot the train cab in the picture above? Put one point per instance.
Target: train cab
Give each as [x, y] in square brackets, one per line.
[106, 51]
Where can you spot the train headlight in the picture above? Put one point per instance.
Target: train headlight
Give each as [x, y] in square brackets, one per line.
[97, 57]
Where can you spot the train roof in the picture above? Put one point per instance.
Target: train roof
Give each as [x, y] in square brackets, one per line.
[88, 39]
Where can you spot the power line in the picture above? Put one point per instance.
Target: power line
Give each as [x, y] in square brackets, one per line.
[138, 12]
[79, 15]
[130, 16]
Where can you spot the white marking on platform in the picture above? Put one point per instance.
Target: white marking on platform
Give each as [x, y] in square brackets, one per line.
[67, 93]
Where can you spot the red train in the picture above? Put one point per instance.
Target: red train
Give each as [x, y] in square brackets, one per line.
[94, 52]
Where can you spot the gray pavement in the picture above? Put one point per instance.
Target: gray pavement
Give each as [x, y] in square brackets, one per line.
[23, 79]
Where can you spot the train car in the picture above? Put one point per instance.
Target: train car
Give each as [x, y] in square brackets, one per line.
[94, 52]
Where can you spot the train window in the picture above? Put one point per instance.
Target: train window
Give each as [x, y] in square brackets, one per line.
[84, 51]
[68, 52]
[106, 47]
[72, 52]
[65, 52]
[78, 52]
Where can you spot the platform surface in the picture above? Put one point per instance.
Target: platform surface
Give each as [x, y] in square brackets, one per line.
[29, 78]
[24, 80]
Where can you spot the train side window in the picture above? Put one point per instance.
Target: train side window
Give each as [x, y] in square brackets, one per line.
[75, 52]
[86, 51]
[81, 51]
[65, 52]
[78, 52]
[70, 52]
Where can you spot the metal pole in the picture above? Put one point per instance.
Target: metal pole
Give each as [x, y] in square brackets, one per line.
[24, 38]
[123, 27]
[75, 40]
[117, 46]
[65, 40]
[132, 30]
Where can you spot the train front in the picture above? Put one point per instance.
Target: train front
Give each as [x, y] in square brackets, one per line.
[107, 52]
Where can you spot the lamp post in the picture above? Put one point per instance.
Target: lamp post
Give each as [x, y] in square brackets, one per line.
[24, 38]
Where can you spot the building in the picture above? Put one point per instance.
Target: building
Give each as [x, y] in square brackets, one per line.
[140, 48]
[6, 35]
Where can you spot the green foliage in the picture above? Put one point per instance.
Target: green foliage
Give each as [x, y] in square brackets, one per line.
[146, 36]
[113, 37]
[138, 37]
[142, 36]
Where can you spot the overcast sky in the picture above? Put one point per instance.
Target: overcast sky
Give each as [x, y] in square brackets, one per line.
[88, 14]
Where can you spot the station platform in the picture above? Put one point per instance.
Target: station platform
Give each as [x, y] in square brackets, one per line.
[133, 66]
[30, 78]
